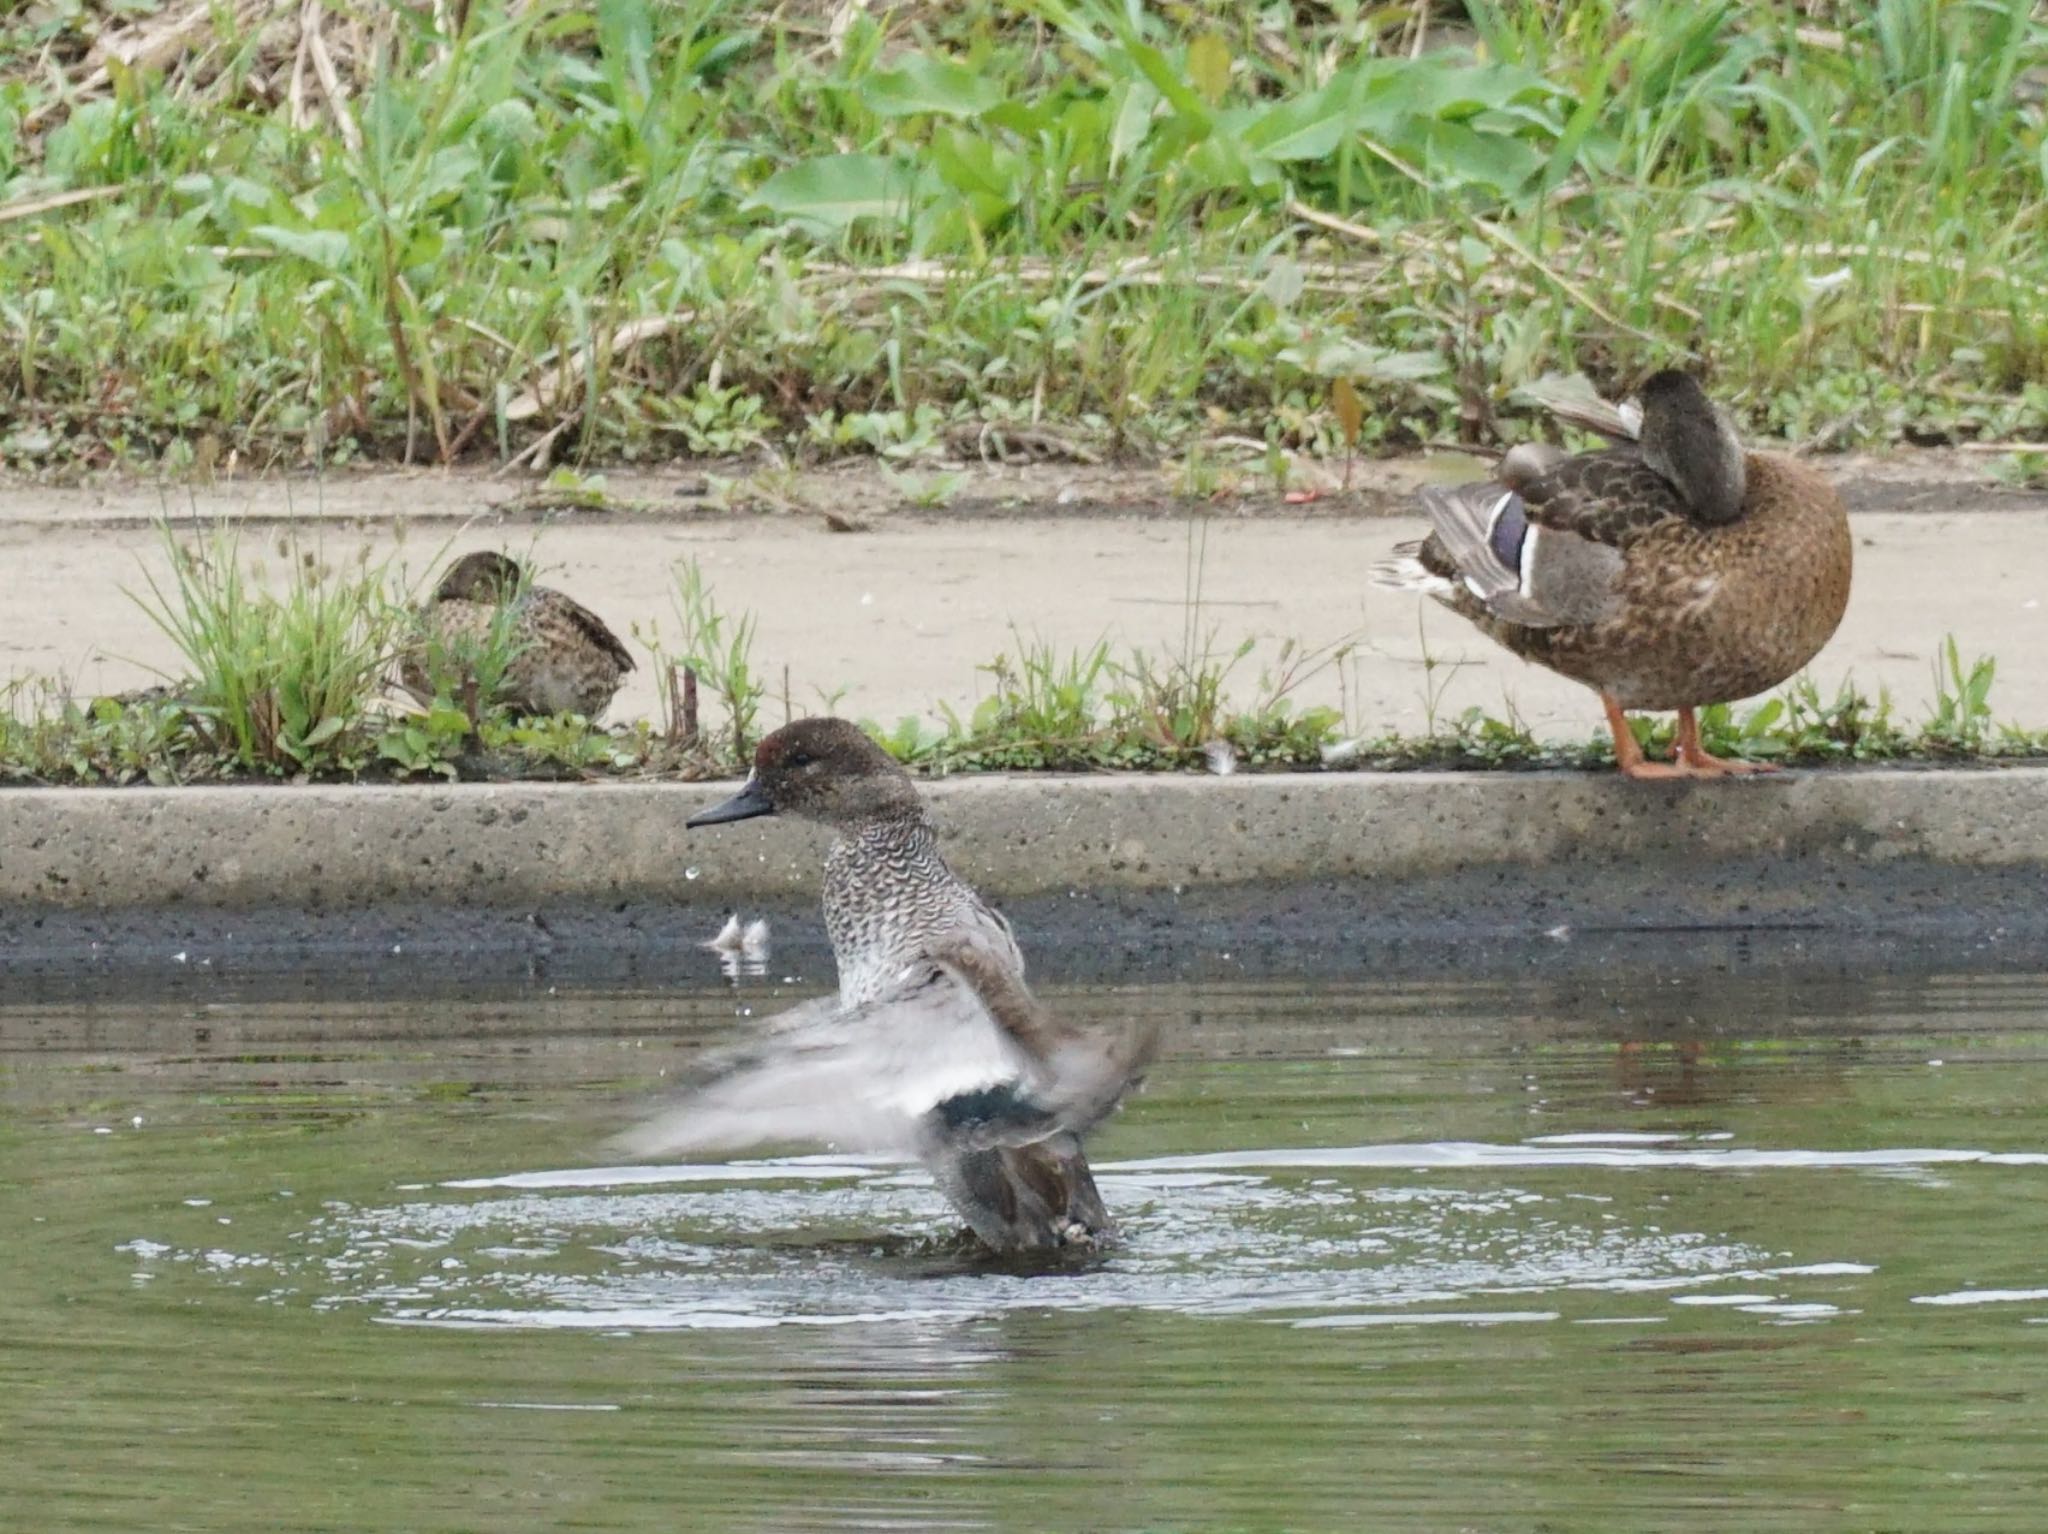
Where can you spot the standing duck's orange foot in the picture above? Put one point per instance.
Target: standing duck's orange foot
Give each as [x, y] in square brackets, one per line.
[1701, 765]
[1712, 767]
[1642, 770]
[1690, 758]
[1629, 760]
[1690, 753]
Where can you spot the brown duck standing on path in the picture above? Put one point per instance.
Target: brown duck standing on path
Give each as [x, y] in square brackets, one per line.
[1672, 572]
[934, 1046]
[563, 661]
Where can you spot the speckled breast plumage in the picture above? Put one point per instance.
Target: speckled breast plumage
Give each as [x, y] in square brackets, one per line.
[889, 896]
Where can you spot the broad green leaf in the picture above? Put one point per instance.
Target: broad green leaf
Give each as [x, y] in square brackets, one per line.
[1460, 155]
[1305, 128]
[948, 224]
[921, 83]
[1077, 32]
[326, 248]
[1166, 80]
[710, 57]
[1763, 716]
[322, 732]
[1220, 161]
[449, 170]
[1382, 97]
[986, 173]
[834, 190]
[1134, 122]
[1592, 102]
[509, 121]
[625, 36]
[1440, 88]
[1209, 66]
[1335, 356]
[1284, 282]
[426, 247]
[249, 193]
[1026, 118]
[1982, 675]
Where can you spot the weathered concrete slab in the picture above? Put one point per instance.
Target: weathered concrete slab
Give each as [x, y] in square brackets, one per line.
[1770, 849]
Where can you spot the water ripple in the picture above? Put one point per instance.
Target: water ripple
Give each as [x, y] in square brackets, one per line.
[1279, 1234]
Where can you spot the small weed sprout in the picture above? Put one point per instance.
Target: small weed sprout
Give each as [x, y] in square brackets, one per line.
[1200, 476]
[1043, 701]
[931, 492]
[1433, 686]
[48, 736]
[1962, 700]
[718, 648]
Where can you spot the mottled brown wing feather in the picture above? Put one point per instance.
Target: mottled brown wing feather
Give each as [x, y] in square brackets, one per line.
[590, 625]
[1002, 990]
[1605, 497]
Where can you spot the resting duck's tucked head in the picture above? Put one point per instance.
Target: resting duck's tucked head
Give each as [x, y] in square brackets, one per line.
[825, 770]
[1688, 441]
[485, 576]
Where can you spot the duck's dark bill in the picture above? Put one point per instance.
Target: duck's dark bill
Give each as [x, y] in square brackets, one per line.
[744, 805]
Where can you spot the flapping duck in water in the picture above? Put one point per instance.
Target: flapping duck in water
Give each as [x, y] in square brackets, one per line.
[562, 658]
[934, 1046]
[1669, 571]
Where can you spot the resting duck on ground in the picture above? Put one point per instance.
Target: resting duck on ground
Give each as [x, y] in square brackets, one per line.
[1668, 572]
[564, 660]
[934, 1046]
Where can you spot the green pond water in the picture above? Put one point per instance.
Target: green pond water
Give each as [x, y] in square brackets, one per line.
[1730, 1251]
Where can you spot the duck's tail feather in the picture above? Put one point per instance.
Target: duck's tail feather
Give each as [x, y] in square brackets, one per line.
[1024, 1198]
[1572, 398]
[1407, 571]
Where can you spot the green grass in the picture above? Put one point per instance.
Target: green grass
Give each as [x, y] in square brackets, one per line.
[1092, 710]
[630, 230]
[278, 681]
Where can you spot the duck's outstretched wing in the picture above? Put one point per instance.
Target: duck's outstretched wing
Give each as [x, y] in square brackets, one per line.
[927, 1062]
[1076, 1076]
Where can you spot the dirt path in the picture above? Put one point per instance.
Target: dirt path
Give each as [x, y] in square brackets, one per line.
[897, 618]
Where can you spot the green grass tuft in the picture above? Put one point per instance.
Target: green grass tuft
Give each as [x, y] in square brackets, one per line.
[278, 683]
